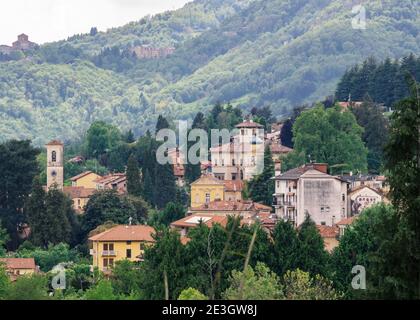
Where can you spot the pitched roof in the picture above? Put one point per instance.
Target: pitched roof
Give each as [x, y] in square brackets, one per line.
[78, 192]
[19, 263]
[347, 221]
[233, 185]
[354, 190]
[327, 231]
[126, 233]
[207, 179]
[112, 178]
[278, 148]
[236, 206]
[79, 176]
[249, 124]
[293, 174]
[55, 143]
[195, 219]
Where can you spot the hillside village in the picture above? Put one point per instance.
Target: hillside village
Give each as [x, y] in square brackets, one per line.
[284, 209]
[333, 202]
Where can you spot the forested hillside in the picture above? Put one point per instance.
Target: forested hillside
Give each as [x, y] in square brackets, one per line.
[276, 53]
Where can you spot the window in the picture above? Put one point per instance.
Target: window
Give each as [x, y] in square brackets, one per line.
[105, 246]
[323, 223]
[233, 162]
[343, 197]
[197, 198]
[142, 246]
[128, 254]
[327, 209]
[108, 263]
[243, 132]
[207, 197]
[322, 209]
[54, 156]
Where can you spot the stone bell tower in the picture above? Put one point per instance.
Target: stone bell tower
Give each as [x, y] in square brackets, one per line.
[55, 164]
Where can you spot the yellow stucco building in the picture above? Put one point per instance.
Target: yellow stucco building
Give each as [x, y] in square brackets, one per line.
[205, 190]
[208, 189]
[85, 180]
[16, 267]
[120, 243]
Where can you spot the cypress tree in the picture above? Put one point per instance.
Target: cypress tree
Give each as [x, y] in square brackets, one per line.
[285, 241]
[134, 186]
[35, 213]
[312, 256]
[57, 225]
[165, 187]
[148, 190]
[162, 123]
[261, 188]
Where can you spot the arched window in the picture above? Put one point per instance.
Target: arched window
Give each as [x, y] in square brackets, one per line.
[54, 156]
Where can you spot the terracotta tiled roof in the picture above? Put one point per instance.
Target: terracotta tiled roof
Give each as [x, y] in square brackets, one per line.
[327, 231]
[278, 148]
[347, 221]
[78, 192]
[126, 233]
[235, 206]
[249, 124]
[79, 176]
[207, 179]
[194, 220]
[19, 263]
[112, 178]
[233, 185]
[54, 143]
[351, 191]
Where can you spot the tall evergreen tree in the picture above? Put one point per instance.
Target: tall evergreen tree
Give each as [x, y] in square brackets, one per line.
[261, 188]
[134, 185]
[165, 187]
[403, 165]
[312, 256]
[375, 135]
[35, 213]
[148, 188]
[162, 123]
[286, 246]
[18, 167]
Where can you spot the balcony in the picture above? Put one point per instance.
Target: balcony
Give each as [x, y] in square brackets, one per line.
[281, 203]
[109, 253]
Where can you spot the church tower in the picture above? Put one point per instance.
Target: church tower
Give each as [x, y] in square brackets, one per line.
[55, 164]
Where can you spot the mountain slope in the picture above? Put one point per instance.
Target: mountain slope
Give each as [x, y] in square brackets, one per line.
[263, 52]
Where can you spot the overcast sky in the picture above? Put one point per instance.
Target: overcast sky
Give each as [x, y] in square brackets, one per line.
[51, 20]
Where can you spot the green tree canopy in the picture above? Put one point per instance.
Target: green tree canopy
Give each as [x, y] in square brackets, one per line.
[331, 136]
[261, 284]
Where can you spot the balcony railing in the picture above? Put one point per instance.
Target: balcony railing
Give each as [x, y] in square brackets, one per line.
[109, 253]
[282, 203]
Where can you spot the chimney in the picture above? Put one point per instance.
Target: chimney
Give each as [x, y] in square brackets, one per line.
[323, 167]
[277, 168]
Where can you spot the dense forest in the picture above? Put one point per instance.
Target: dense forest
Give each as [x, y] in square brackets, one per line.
[275, 53]
[385, 82]
[286, 263]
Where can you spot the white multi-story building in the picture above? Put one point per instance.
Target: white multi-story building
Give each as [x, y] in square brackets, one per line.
[309, 190]
[243, 157]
